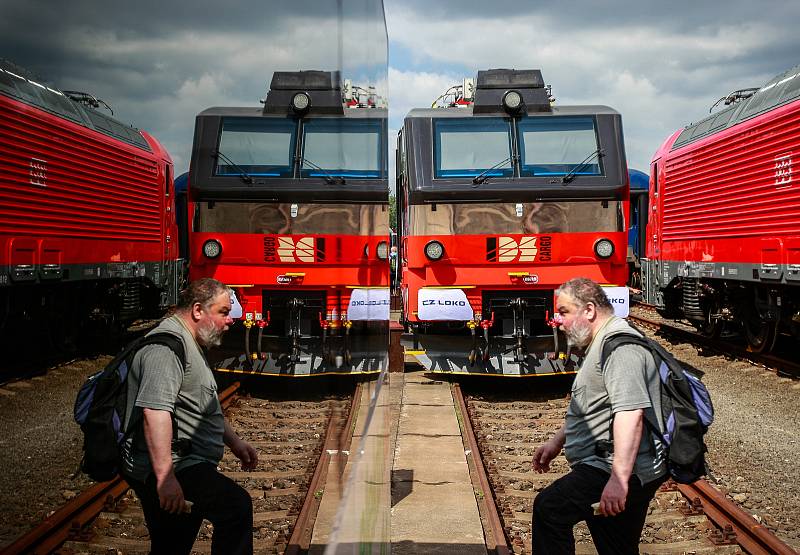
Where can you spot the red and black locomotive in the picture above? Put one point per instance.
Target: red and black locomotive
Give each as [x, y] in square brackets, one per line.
[503, 196]
[87, 224]
[289, 206]
[724, 221]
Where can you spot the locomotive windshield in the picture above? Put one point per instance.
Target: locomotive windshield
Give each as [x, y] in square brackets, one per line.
[548, 146]
[342, 148]
[557, 146]
[265, 147]
[256, 147]
[472, 147]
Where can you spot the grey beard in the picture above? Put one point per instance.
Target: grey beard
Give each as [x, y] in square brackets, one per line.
[209, 336]
[579, 336]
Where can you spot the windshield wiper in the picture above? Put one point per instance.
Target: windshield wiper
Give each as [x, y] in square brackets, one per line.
[329, 178]
[483, 176]
[573, 172]
[246, 177]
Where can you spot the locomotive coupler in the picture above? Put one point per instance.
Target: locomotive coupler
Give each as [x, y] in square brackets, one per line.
[261, 325]
[518, 305]
[472, 325]
[324, 324]
[295, 305]
[486, 324]
[554, 323]
[249, 355]
[348, 357]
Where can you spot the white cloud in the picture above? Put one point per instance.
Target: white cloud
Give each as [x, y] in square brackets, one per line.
[659, 79]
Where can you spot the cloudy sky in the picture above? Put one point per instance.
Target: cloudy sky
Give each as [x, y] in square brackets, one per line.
[661, 64]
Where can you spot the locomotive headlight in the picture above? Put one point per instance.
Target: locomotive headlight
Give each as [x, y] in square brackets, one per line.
[434, 250]
[604, 248]
[301, 102]
[382, 250]
[212, 248]
[512, 101]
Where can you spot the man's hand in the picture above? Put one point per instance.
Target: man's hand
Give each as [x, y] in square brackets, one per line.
[546, 453]
[612, 502]
[245, 453]
[170, 494]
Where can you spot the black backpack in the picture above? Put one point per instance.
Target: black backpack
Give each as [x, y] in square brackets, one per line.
[685, 407]
[100, 408]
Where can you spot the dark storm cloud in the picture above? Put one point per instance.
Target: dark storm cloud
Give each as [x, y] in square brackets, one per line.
[158, 63]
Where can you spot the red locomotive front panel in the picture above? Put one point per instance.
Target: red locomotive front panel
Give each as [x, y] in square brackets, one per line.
[724, 222]
[338, 261]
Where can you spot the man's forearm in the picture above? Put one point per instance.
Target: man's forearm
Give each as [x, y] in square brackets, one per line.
[560, 437]
[158, 437]
[627, 437]
[229, 437]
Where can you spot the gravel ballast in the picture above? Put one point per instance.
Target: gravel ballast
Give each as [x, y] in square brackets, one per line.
[754, 443]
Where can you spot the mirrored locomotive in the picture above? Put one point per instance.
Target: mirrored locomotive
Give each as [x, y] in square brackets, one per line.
[289, 206]
[503, 196]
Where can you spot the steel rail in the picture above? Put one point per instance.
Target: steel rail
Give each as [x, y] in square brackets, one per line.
[77, 513]
[53, 531]
[489, 502]
[300, 540]
[754, 538]
[784, 366]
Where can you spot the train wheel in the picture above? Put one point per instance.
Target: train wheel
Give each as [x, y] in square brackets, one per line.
[710, 327]
[760, 335]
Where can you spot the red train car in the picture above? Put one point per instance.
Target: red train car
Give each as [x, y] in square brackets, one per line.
[724, 220]
[503, 196]
[289, 206]
[86, 213]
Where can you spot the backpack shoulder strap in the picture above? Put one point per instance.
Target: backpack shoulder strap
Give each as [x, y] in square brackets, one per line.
[629, 339]
[168, 340]
[176, 346]
[619, 339]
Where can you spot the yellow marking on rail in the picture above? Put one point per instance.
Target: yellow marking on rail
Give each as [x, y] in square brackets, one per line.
[415, 353]
[295, 274]
[315, 374]
[241, 285]
[503, 375]
[518, 274]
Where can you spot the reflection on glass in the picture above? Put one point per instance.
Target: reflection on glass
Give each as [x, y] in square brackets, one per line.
[470, 147]
[276, 218]
[257, 146]
[342, 148]
[537, 217]
[557, 145]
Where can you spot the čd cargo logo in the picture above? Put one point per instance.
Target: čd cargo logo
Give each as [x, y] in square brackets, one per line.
[527, 249]
[291, 250]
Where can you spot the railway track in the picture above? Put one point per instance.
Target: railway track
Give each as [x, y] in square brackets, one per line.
[644, 315]
[293, 439]
[683, 519]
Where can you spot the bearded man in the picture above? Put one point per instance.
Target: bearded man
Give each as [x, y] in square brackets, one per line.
[616, 463]
[171, 462]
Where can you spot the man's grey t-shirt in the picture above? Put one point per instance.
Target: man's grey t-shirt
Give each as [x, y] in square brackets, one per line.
[158, 381]
[629, 381]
